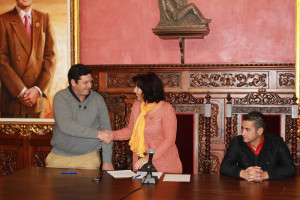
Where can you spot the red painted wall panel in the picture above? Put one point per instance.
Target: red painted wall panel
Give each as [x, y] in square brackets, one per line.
[241, 31]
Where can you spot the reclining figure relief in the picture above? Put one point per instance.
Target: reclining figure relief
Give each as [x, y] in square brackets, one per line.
[179, 13]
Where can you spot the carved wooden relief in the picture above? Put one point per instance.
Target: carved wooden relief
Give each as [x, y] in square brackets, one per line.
[122, 157]
[8, 162]
[182, 98]
[201, 155]
[214, 129]
[124, 80]
[286, 80]
[288, 126]
[120, 80]
[264, 98]
[227, 80]
[213, 164]
[40, 158]
[234, 129]
[245, 109]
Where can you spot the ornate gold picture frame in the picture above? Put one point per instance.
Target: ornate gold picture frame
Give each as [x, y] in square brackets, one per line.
[64, 15]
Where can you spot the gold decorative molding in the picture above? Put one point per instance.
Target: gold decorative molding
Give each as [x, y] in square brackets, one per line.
[297, 50]
[75, 31]
[25, 129]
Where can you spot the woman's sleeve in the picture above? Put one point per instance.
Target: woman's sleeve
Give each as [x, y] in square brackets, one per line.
[125, 133]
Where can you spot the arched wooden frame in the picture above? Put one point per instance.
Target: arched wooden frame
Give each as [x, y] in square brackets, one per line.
[183, 103]
[266, 103]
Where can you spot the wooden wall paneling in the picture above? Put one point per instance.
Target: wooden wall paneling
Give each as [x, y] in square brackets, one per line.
[27, 144]
[197, 79]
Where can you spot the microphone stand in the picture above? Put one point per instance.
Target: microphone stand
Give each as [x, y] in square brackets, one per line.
[149, 178]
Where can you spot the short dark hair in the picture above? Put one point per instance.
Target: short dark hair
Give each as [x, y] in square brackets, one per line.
[151, 86]
[76, 71]
[258, 119]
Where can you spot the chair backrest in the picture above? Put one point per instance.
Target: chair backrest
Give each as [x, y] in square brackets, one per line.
[268, 103]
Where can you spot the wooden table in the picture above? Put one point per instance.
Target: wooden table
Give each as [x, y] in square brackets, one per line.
[46, 183]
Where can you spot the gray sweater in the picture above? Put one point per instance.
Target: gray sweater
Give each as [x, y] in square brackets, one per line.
[77, 124]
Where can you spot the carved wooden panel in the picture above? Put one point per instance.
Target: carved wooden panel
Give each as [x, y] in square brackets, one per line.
[182, 98]
[214, 129]
[124, 80]
[264, 98]
[247, 109]
[286, 80]
[8, 162]
[122, 157]
[228, 80]
[40, 158]
[24, 144]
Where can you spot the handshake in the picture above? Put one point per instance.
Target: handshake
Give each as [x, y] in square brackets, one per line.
[105, 136]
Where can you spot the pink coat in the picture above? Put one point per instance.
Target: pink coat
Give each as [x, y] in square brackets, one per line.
[160, 135]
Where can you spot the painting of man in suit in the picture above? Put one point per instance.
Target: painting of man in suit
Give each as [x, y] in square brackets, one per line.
[28, 59]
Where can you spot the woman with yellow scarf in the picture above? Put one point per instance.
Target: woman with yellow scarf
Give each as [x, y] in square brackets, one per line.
[152, 125]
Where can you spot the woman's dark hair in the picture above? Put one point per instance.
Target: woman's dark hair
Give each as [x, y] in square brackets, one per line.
[151, 86]
[76, 71]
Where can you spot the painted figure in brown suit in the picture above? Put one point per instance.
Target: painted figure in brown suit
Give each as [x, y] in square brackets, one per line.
[27, 60]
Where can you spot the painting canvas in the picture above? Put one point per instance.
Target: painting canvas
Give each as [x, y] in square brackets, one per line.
[60, 15]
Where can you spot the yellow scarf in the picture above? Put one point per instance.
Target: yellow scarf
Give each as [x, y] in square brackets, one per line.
[137, 141]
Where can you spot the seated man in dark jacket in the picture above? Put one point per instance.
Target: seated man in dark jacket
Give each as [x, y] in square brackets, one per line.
[255, 156]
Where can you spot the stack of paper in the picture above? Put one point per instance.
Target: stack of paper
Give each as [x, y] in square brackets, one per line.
[177, 177]
[122, 173]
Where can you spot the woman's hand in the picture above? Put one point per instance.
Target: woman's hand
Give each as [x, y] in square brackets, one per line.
[139, 164]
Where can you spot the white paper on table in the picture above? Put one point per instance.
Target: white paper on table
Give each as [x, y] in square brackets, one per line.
[121, 173]
[177, 177]
[143, 174]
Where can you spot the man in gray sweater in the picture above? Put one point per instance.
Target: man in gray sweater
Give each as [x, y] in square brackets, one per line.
[80, 114]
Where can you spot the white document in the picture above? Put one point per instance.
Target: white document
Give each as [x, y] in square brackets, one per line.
[177, 177]
[140, 175]
[122, 173]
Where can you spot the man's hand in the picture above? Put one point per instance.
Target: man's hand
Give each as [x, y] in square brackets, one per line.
[254, 174]
[107, 166]
[105, 136]
[29, 97]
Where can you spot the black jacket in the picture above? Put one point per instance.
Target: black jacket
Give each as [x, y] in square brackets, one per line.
[274, 157]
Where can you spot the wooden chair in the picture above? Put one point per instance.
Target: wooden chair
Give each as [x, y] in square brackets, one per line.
[268, 103]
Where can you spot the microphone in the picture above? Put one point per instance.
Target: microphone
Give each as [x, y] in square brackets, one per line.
[150, 168]
[151, 152]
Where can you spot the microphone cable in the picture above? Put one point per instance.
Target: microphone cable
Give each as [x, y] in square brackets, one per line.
[135, 189]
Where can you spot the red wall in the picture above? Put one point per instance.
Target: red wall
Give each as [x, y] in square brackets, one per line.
[241, 31]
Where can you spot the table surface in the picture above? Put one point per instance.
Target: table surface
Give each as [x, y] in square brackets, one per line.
[47, 183]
